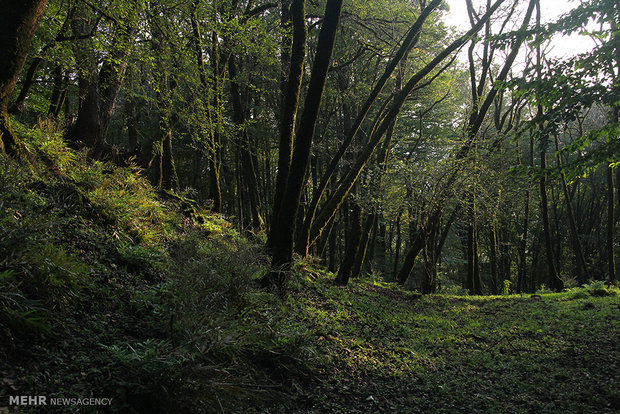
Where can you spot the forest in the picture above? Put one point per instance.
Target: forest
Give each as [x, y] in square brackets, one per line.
[309, 206]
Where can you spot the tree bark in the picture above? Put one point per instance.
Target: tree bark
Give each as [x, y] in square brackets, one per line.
[611, 258]
[19, 20]
[290, 104]
[284, 230]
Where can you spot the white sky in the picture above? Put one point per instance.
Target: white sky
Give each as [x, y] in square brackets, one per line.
[550, 10]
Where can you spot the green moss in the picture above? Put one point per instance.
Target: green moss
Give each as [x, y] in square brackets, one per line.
[443, 353]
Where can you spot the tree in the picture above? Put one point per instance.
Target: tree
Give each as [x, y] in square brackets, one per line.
[290, 103]
[565, 92]
[411, 38]
[18, 22]
[284, 231]
[478, 113]
[99, 85]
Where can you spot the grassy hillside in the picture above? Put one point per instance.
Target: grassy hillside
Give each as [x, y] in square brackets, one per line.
[109, 289]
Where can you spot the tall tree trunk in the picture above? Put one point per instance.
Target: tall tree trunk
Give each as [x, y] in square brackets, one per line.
[284, 230]
[353, 242]
[553, 278]
[611, 258]
[19, 20]
[290, 103]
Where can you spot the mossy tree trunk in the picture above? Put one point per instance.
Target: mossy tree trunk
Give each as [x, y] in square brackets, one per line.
[290, 91]
[99, 84]
[611, 257]
[283, 232]
[19, 20]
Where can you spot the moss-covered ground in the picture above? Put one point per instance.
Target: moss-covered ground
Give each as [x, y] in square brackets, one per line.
[393, 351]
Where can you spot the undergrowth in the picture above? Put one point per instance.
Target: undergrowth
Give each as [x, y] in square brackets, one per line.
[110, 289]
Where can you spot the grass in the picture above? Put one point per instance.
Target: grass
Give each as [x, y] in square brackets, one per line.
[393, 351]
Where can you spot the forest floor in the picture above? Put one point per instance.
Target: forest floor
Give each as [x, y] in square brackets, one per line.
[110, 289]
[394, 351]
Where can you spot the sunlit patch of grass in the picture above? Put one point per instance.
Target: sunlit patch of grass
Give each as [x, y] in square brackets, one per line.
[46, 142]
[130, 202]
[443, 353]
